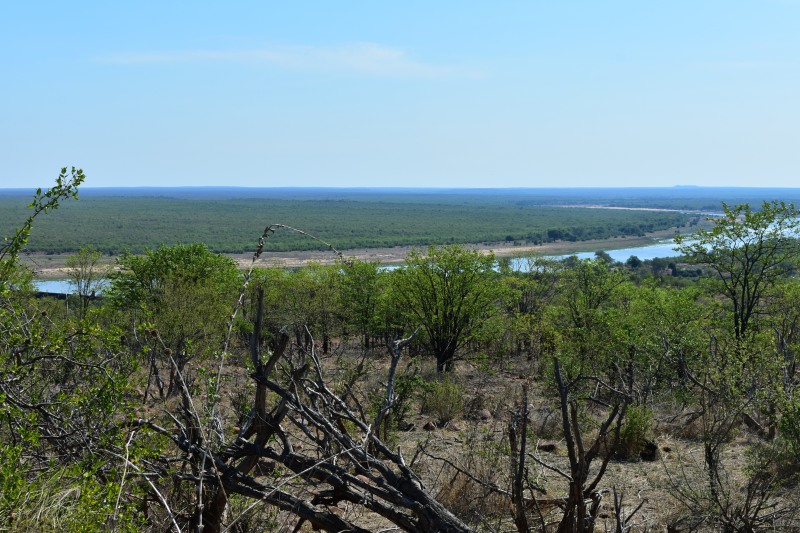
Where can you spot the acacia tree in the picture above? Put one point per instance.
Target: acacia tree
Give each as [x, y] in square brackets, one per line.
[587, 315]
[183, 293]
[361, 291]
[87, 274]
[452, 293]
[748, 251]
[736, 378]
[532, 288]
[311, 303]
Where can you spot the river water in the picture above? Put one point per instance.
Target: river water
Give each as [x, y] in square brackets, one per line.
[61, 286]
[662, 249]
[651, 251]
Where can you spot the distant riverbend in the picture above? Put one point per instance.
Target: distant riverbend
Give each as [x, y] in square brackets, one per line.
[620, 249]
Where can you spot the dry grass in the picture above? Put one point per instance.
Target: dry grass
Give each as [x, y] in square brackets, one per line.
[480, 447]
[465, 461]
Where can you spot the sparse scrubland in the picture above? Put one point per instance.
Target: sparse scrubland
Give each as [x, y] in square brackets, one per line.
[454, 394]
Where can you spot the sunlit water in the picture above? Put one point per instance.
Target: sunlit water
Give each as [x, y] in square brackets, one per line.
[60, 286]
[662, 249]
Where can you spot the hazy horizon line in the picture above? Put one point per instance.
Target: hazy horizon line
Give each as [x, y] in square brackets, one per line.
[412, 188]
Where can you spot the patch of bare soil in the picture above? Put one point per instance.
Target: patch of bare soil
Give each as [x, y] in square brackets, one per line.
[397, 254]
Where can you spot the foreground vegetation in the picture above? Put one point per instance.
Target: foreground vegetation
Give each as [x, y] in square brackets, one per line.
[450, 395]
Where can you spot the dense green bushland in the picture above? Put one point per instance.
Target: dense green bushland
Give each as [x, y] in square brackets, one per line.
[198, 398]
[133, 223]
[133, 219]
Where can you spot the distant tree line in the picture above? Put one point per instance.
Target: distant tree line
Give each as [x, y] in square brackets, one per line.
[115, 225]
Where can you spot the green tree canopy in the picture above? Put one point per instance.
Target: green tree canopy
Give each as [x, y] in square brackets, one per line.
[451, 293]
[184, 293]
[86, 272]
[361, 291]
[748, 251]
[143, 280]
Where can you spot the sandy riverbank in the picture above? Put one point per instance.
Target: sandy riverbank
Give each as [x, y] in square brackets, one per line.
[396, 255]
[52, 266]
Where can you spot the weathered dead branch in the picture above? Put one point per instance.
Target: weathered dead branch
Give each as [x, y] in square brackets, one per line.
[327, 454]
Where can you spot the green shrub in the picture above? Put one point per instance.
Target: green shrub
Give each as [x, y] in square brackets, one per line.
[444, 399]
[635, 432]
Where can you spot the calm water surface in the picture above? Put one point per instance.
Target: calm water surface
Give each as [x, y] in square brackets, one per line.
[662, 249]
[63, 286]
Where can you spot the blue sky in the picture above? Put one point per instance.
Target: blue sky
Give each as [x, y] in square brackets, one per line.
[412, 93]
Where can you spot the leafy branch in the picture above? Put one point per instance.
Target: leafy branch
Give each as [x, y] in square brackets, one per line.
[66, 187]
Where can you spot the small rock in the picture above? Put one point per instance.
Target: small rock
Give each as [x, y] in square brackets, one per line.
[484, 414]
[336, 510]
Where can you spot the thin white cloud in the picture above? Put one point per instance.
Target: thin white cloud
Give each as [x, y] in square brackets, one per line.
[363, 58]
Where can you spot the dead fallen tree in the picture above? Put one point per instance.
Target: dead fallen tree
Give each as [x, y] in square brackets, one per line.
[329, 457]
